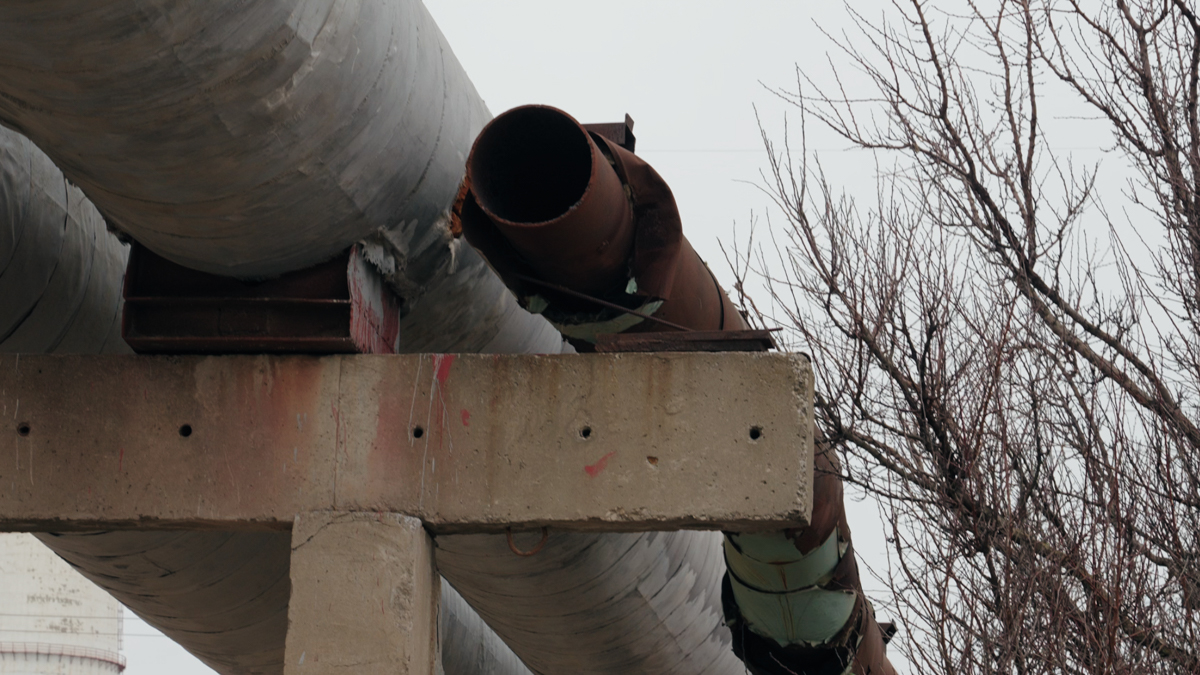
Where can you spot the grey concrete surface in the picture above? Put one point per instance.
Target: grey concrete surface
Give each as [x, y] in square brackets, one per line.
[364, 596]
[468, 443]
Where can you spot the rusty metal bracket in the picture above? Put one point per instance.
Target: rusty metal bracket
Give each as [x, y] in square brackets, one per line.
[690, 341]
[620, 133]
[336, 307]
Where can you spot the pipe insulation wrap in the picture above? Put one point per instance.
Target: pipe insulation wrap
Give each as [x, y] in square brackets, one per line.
[246, 139]
[467, 644]
[794, 599]
[613, 603]
[221, 595]
[777, 589]
[60, 268]
[770, 562]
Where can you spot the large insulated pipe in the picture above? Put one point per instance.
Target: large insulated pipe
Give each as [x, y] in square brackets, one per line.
[251, 139]
[246, 139]
[61, 273]
[60, 268]
[793, 599]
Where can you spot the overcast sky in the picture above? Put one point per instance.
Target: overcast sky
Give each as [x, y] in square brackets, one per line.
[689, 73]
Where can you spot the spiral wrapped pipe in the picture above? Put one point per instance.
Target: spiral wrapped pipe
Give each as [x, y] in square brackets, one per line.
[60, 268]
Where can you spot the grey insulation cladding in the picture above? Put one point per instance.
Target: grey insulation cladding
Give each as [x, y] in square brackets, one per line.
[60, 269]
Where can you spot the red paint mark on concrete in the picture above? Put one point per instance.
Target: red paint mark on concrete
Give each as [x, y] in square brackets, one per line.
[442, 363]
[594, 470]
[466, 417]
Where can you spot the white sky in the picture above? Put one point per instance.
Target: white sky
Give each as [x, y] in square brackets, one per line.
[689, 74]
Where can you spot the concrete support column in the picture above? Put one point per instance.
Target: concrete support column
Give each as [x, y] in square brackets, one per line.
[364, 596]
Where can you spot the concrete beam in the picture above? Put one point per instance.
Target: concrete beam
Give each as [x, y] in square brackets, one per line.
[470, 443]
[364, 596]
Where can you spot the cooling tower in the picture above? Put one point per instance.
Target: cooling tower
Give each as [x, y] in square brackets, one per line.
[52, 620]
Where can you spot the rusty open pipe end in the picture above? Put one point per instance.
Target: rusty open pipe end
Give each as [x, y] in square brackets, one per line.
[530, 165]
[550, 190]
[550, 205]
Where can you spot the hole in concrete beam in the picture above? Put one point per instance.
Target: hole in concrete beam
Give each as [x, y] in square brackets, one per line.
[418, 432]
[585, 432]
[23, 429]
[755, 433]
[185, 430]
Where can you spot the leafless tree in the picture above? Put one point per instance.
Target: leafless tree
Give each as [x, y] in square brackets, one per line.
[1009, 356]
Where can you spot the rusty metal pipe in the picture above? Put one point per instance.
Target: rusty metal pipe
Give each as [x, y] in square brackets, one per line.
[543, 197]
[697, 300]
[550, 190]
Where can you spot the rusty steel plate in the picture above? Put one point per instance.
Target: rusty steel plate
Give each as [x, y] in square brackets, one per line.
[338, 306]
[467, 443]
[687, 341]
